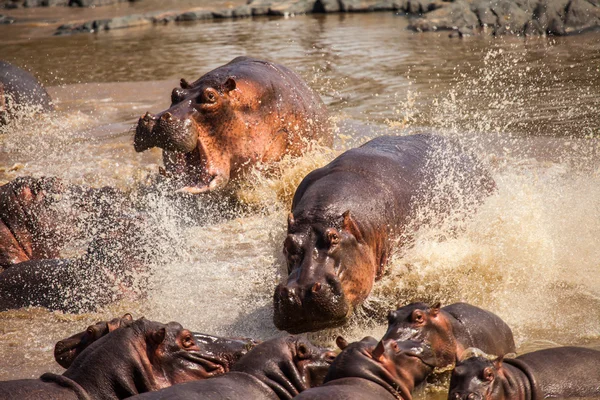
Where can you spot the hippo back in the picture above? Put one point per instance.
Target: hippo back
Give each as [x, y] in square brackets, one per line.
[22, 87]
[478, 328]
[347, 389]
[563, 371]
[233, 385]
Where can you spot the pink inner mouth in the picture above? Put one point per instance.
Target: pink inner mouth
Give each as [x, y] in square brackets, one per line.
[187, 170]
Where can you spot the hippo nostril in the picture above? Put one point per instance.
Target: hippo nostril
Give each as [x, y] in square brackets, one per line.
[316, 287]
[471, 396]
[167, 117]
[330, 356]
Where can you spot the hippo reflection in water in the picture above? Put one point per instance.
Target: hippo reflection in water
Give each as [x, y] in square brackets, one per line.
[348, 217]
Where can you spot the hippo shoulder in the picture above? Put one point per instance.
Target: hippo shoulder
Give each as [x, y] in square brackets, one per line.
[347, 389]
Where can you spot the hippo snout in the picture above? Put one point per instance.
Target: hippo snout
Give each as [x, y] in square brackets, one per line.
[165, 131]
[306, 308]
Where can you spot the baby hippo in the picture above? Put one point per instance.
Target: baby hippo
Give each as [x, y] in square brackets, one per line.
[279, 368]
[450, 330]
[139, 357]
[372, 370]
[559, 372]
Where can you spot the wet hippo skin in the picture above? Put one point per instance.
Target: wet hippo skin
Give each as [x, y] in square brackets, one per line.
[560, 372]
[139, 357]
[279, 368]
[450, 330]
[369, 369]
[349, 216]
[243, 113]
[19, 88]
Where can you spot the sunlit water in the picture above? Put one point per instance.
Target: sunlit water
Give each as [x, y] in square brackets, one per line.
[528, 107]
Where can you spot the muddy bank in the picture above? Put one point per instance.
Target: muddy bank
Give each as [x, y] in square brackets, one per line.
[461, 17]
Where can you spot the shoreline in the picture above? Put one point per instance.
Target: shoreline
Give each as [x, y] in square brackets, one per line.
[459, 17]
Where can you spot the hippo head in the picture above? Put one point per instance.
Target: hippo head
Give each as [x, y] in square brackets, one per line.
[477, 378]
[397, 366]
[420, 322]
[289, 363]
[66, 350]
[330, 271]
[193, 133]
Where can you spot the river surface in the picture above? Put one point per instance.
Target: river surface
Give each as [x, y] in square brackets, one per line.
[528, 107]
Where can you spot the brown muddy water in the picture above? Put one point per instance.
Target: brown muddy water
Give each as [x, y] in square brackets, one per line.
[528, 107]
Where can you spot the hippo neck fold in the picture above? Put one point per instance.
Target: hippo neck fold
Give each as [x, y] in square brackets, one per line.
[520, 381]
[284, 380]
[125, 376]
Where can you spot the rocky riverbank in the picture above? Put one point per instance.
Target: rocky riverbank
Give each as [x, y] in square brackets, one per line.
[461, 17]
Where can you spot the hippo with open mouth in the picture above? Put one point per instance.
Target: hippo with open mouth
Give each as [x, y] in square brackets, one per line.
[241, 114]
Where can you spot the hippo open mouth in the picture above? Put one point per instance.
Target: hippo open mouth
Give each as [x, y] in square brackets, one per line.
[188, 172]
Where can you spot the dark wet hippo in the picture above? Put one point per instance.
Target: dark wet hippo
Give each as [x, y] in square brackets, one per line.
[66, 350]
[552, 373]
[140, 357]
[39, 217]
[245, 112]
[18, 88]
[450, 330]
[372, 370]
[349, 216]
[276, 369]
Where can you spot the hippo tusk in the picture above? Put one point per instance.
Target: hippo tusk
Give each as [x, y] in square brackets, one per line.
[218, 182]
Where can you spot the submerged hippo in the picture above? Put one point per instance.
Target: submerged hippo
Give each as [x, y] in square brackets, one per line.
[349, 216]
[552, 373]
[370, 370]
[222, 351]
[19, 88]
[142, 356]
[450, 330]
[245, 112]
[279, 368]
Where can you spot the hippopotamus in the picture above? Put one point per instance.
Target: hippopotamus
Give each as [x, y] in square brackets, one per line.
[243, 113]
[450, 330]
[348, 216]
[560, 372]
[39, 217]
[278, 368]
[223, 351]
[19, 88]
[140, 357]
[385, 370]
[66, 350]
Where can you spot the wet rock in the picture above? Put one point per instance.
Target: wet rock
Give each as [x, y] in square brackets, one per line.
[582, 15]
[194, 15]
[281, 7]
[126, 22]
[453, 16]
[5, 19]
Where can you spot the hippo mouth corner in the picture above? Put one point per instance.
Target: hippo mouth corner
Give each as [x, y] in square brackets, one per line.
[189, 174]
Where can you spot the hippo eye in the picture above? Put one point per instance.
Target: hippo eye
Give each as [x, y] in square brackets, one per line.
[209, 96]
[302, 351]
[187, 341]
[417, 317]
[488, 374]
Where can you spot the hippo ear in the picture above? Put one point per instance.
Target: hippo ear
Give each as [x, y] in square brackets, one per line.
[158, 336]
[498, 362]
[378, 351]
[291, 221]
[184, 84]
[350, 226]
[229, 85]
[435, 309]
[341, 342]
